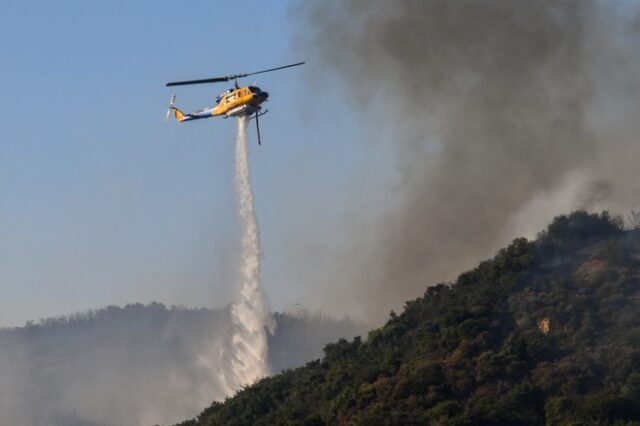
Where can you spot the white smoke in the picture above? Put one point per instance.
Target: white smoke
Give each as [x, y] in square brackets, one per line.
[250, 315]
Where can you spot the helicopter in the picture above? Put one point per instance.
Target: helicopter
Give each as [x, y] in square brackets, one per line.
[237, 101]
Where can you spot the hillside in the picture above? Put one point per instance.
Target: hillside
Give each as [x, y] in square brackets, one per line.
[548, 331]
[135, 365]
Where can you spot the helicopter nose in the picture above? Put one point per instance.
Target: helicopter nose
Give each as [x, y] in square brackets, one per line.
[265, 95]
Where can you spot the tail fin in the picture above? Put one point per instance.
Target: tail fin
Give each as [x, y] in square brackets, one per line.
[179, 115]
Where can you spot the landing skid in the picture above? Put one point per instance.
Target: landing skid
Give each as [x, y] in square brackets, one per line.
[250, 112]
[244, 110]
[259, 114]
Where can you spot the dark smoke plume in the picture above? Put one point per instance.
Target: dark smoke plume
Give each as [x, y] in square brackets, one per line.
[506, 114]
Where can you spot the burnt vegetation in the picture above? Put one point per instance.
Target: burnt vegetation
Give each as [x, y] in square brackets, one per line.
[546, 332]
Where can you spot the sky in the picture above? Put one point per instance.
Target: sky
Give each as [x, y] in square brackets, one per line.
[102, 202]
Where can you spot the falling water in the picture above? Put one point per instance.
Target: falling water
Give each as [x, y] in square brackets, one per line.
[250, 314]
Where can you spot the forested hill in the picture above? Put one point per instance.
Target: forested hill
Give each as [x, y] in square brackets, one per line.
[548, 331]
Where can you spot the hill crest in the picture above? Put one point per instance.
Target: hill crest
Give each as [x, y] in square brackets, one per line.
[545, 332]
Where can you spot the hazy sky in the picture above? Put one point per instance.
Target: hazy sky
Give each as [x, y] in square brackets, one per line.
[101, 202]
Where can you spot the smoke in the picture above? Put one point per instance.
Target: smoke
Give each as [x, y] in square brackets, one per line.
[504, 114]
[137, 365]
[132, 366]
[250, 315]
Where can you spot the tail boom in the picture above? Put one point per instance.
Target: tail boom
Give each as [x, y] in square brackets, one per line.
[181, 116]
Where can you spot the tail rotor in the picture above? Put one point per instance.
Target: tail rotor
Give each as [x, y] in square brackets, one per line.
[172, 102]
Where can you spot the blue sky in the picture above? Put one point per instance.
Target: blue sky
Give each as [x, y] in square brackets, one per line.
[101, 202]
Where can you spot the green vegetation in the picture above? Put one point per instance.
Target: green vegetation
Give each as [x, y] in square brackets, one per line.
[547, 332]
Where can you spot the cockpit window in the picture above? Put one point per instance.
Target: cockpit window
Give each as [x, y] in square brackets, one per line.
[254, 89]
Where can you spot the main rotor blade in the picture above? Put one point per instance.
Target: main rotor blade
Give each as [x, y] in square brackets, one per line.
[229, 77]
[269, 70]
[206, 80]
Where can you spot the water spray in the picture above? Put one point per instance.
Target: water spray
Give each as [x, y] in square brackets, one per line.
[250, 315]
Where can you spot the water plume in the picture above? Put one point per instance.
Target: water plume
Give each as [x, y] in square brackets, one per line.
[250, 314]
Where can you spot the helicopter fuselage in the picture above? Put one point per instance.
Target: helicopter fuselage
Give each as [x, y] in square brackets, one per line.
[231, 103]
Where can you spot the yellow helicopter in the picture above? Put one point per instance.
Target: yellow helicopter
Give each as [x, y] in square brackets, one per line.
[238, 101]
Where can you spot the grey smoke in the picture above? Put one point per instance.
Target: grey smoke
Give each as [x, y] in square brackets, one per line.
[504, 114]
